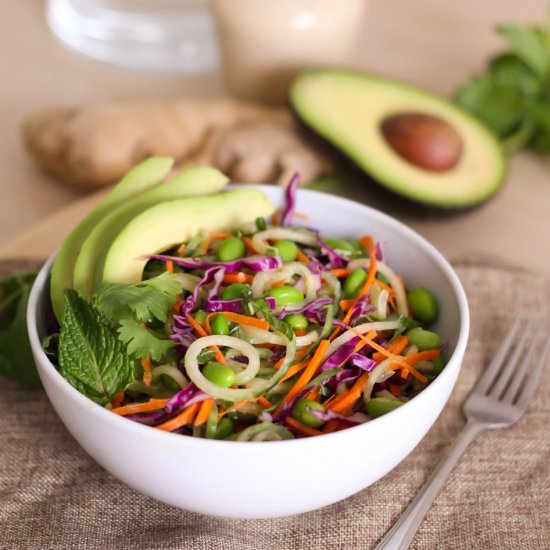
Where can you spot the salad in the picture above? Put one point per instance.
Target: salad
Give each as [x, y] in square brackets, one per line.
[269, 332]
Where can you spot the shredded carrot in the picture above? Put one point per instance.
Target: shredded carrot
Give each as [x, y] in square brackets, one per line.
[147, 372]
[181, 248]
[275, 217]
[397, 345]
[244, 320]
[301, 257]
[265, 403]
[346, 305]
[294, 369]
[235, 406]
[341, 272]
[395, 390]
[133, 408]
[277, 284]
[307, 375]
[404, 373]
[205, 245]
[170, 266]
[183, 418]
[383, 286]
[400, 361]
[249, 245]
[414, 358]
[313, 395]
[344, 402]
[237, 277]
[204, 411]
[300, 332]
[201, 332]
[331, 426]
[368, 243]
[117, 400]
[298, 426]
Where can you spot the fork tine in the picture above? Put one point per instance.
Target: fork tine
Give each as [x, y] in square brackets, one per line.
[488, 375]
[511, 364]
[523, 367]
[531, 383]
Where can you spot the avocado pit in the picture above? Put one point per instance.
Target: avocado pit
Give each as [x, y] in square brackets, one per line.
[426, 141]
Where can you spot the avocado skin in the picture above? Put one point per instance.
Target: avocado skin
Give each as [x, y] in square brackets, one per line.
[373, 187]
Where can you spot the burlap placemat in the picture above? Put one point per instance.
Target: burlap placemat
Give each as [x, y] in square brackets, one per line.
[52, 495]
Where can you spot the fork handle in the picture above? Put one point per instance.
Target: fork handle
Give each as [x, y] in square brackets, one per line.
[401, 534]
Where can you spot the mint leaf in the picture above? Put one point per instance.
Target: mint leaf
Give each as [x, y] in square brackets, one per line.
[499, 107]
[152, 298]
[16, 360]
[529, 44]
[141, 342]
[91, 357]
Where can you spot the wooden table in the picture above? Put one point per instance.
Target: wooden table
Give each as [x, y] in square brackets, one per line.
[433, 43]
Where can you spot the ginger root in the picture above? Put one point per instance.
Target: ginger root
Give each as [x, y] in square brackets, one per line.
[96, 145]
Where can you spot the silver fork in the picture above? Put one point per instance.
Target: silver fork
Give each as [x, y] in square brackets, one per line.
[498, 399]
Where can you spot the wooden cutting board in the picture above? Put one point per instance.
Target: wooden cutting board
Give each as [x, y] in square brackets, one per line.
[42, 239]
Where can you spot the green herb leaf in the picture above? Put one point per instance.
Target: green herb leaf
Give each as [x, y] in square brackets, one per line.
[499, 107]
[529, 44]
[146, 300]
[141, 342]
[16, 360]
[260, 305]
[91, 357]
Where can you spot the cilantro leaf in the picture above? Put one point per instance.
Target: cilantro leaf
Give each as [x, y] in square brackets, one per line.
[142, 342]
[152, 298]
[16, 360]
[91, 357]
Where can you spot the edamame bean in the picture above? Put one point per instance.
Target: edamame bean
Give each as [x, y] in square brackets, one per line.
[286, 295]
[423, 339]
[339, 244]
[225, 428]
[237, 290]
[200, 316]
[378, 406]
[301, 412]
[287, 250]
[354, 283]
[219, 325]
[423, 305]
[231, 249]
[297, 321]
[219, 374]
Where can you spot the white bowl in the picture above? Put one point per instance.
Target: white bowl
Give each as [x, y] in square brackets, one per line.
[270, 479]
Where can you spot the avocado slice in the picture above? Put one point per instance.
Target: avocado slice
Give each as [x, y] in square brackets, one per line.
[144, 175]
[173, 222]
[191, 182]
[356, 113]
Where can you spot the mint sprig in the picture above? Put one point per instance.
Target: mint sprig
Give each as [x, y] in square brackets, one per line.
[512, 96]
[91, 357]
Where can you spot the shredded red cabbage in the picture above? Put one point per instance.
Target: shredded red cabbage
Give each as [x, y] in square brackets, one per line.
[340, 356]
[290, 200]
[185, 397]
[311, 309]
[334, 258]
[362, 362]
[255, 263]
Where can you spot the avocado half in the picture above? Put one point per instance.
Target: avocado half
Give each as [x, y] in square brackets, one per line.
[351, 109]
